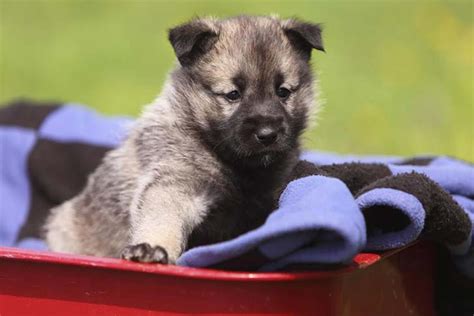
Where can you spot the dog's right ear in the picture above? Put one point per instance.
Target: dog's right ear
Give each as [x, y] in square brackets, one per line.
[192, 40]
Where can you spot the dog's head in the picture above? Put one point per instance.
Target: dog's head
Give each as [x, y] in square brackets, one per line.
[247, 82]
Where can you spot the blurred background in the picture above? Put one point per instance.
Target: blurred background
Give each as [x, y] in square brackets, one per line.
[397, 77]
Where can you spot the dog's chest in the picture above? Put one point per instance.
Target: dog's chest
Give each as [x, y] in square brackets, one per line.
[241, 206]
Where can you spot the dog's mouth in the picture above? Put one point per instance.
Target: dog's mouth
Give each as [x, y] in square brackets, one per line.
[244, 148]
[264, 158]
[264, 155]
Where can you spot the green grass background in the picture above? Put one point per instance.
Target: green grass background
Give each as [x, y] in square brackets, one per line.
[397, 77]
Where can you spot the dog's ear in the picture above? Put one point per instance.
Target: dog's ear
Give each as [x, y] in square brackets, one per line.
[192, 40]
[303, 36]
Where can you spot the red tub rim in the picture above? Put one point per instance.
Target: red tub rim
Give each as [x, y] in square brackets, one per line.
[361, 261]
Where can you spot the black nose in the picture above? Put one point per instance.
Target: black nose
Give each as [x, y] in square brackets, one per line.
[266, 135]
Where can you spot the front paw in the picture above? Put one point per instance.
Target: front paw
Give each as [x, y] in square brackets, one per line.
[145, 253]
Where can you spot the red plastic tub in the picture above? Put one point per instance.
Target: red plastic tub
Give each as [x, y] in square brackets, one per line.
[38, 283]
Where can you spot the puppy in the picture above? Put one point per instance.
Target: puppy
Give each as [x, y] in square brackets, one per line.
[208, 158]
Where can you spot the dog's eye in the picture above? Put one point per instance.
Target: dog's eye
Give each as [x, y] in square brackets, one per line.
[283, 93]
[233, 95]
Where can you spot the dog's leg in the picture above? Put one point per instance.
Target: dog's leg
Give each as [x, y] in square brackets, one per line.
[163, 214]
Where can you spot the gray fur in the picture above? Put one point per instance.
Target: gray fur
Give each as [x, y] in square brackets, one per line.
[191, 170]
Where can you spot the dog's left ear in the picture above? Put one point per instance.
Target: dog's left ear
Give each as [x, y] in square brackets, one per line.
[192, 40]
[303, 36]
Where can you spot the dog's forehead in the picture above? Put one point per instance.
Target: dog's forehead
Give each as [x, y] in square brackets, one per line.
[249, 29]
[253, 48]
[253, 40]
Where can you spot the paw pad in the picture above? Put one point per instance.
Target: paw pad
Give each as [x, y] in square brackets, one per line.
[145, 253]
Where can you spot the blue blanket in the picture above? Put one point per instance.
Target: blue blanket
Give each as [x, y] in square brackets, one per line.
[46, 153]
[319, 220]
